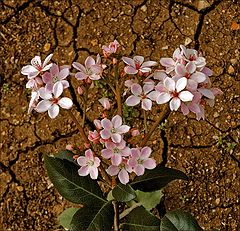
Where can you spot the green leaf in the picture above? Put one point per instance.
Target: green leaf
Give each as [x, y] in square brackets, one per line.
[75, 188]
[66, 216]
[66, 155]
[123, 193]
[93, 218]
[141, 219]
[179, 221]
[157, 178]
[149, 200]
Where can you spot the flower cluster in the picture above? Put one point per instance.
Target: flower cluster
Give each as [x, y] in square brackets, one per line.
[123, 160]
[184, 82]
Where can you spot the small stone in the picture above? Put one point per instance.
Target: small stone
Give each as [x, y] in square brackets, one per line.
[94, 42]
[20, 188]
[216, 114]
[144, 8]
[233, 61]
[231, 70]
[187, 41]
[202, 4]
[47, 47]
[165, 48]
[217, 201]
[59, 13]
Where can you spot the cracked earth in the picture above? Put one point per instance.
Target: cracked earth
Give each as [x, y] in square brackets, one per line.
[207, 151]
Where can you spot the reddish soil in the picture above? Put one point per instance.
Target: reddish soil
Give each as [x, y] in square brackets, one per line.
[207, 151]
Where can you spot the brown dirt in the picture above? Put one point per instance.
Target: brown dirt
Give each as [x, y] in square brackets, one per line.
[72, 30]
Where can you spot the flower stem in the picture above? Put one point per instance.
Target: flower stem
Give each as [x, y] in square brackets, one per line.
[116, 216]
[163, 115]
[145, 121]
[127, 211]
[118, 91]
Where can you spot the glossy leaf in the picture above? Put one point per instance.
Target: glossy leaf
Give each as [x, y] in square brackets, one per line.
[157, 178]
[123, 193]
[179, 221]
[66, 216]
[93, 218]
[75, 188]
[149, 200]
[141, 219]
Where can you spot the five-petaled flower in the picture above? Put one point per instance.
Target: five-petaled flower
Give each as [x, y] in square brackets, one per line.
[136, 65]
[51, 102]
[89, 164]
[113, 129]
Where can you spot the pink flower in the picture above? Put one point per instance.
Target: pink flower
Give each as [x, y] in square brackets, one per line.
[113, 129]
[33, 101]
[141, 95]
[112, 48]
[36, 67]
[140, 160]
[173, 91]
[97, 124]
[94, 136]
[136, 65]
[105, 103]
[92, 70]
[121, 170]
[55, 75]
[115, 152]
[51, 102]
[89, 164]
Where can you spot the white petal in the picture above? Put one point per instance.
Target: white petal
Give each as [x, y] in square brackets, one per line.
[133, 100]
[43, 106]
[163, 98]
[199, 77]
[175, 104]
[48, 58]
[149, 64]
[169, 84]
[36, 61]
[180, 70]
[79, 67]
[47, 67]
[181, 84]
[186, 96]
[26, 70]
[130, 70]
[138, 59]
[65, 103]
[53, 111]
[191, 67]
[57, 89]
[167, 62]
[128, 61]
[44, 94]
[64, 73]
[136, 89]
[146, 104]
[117, 121]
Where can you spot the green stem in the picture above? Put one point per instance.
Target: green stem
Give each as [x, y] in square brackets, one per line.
[129, 210]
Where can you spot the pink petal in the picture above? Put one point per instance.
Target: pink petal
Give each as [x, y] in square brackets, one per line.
[105, 134]
[117, 138]
[84, 171]
[94, 173]
[44, 93]
[89, 154]
[94, 77]
[122, 129]
[146, 104]
[145, 152]
[199, 77]
[117, 121]
[138, 59]
[207, 71]
[145, 69]
[133, 100]
[207, 93]
[133, 162]
[106, 124]
[149, 64]
[184, 109]
[33, 74]
[96, 69]
[153, 95]
[147, 87]
[167, 62]
[139, 170]
[149, 163]
[136, 89]
[54, 70]
[175, 104]
[192, 85]
[123, 176]
[128, 61]
[47, 77]
[65, 103]
[79, 66]
[65, 84]
[53, 111]
[111, 145]
[43, 106]
[57, 89]
[186, 96]
[112, 170]
[194, 108]
[82, 161]
[126, 151]
[63, 73]
[135, 153]
[105, 103]
[181, 70]
[80, 76]
[159, 75]
[163, 98]
[107, 153]
[130, 70]
[181, 84]
[47, 59]
[169, 84]
[191, 67]
[116, 159]
[89, 62]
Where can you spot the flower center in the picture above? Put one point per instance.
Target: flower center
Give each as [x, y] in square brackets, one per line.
[137, 65]
[54, 100]
[113, 130]
[89, 71]
[55, 79]
[175, 94]
[37, 65]
[115, 150]
[140, 161]
[90, 163]
[192, 57]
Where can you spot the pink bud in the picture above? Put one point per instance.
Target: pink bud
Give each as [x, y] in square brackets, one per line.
[69, 147]
[80, 90]
[97, 123]
[105, 103]
[114, 61]
[94, 136]
[135, 132]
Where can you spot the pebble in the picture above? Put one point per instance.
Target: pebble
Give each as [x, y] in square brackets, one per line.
[144, 8]
[165, 48]
[231, 70]
[20, 188]
[202, 4]
[216, 114]
[233, 61]
[187, 41]
[47, 47]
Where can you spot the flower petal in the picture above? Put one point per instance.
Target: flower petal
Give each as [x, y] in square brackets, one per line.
[79, 66]
[65, 103]
[149, 64]
[89, 62]
[146, 104]
[199, 77]
[53, 111]
[105, 134]
[112, 170]
[175, 104]
[28, 69]
[117, 138]
[82, 161]
[149, 163]
[81, 76]
[169, 84]
[133, 100]
[139, 170]
[207, 93]
[130, 70]
[122, 129]
[107, 153]
[123, 176]
[128, 61]
[117, 121]
[138, 59]
[63, 73]
[47, 59]
[181, 70]
[43, 106]
[94, 173]
[57, 89]
[145, 152]
[191, 67]
[181, 84]
[136, 89]
[116, 159]
[84, 171]
[54, 70]
[106, 124]
[163, 98]
[167, 62]
[186, 96]
[36, 61]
